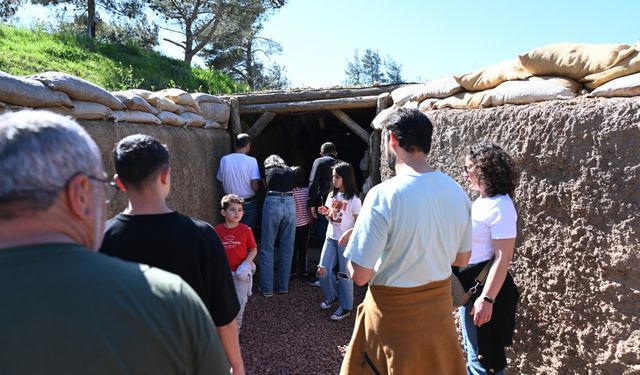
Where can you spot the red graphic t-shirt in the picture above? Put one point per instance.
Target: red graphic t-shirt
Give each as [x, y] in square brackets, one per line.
[237, 242]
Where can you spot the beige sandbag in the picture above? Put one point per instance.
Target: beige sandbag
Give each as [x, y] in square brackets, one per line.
[201, 97]
[134, 102]
[193, 120]
[623, 86]
[574, 60]
[402, 94]
[525, 92]
[78, 88]
[462, 100]
[30, 93]
[439, 88]
[170, 118]
[427, 104]
[216, 111]
[569, 83]
[410, 105]
[376, 123]
[83, 110]
[492, 76]
[185, 108]
[136, 116]
[160, 102]
[209, 124]
[180, 97]
[628, 66]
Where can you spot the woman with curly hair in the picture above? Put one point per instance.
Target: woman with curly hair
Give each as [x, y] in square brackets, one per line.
[488, 319]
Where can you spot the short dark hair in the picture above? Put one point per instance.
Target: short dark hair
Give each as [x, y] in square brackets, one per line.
[228, 199]
[139, 156]
[412, 129]
[242, 140]
[328, 148]
[494, 167]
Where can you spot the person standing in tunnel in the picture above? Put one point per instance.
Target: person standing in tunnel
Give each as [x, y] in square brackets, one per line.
[319, 187]
[239, 175]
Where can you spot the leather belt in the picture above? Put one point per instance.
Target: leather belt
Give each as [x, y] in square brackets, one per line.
[248, 200]
[280, 193]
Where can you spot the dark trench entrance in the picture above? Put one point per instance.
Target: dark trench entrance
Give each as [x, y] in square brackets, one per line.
[297, 138]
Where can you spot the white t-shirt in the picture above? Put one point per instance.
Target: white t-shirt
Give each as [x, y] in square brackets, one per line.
[494, 218]
[236, 172]
[411, 228]
[343, 212]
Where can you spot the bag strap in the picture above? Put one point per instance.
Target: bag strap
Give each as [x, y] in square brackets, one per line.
[482, 276]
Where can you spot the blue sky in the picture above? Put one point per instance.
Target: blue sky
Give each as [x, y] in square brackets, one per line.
[429, 38]
[435, 38]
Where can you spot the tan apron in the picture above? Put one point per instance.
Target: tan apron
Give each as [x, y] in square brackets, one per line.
[405, 331]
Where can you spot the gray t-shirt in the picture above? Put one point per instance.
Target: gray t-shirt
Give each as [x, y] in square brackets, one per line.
[410, 229]
[68, 310]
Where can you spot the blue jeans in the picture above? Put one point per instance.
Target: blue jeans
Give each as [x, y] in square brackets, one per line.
[470, 337]
[320, 226]
[278, 219]
[330, 286]
[250, 214]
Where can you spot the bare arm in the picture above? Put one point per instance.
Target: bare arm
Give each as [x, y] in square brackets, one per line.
[503, 250]
[231, 344]
[359, 274]
[251, 255]
[255, 185]
[462, 259]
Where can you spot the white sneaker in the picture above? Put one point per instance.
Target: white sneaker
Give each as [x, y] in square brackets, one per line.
[340, 314]
[326, 304]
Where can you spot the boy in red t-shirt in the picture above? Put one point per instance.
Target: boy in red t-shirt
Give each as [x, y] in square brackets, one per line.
[240, 246]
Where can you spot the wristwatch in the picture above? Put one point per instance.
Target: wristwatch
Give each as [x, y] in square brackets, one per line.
[488, 299]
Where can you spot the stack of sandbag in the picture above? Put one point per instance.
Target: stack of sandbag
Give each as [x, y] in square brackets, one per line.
[215, 111]
[20, 92]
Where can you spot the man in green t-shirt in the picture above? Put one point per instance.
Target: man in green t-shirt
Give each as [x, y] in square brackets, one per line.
[66, 309]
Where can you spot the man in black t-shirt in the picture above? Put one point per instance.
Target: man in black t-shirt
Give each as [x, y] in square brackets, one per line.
[149, 232]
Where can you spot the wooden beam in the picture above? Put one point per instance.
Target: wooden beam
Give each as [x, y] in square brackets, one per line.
[234, 120]
[383, 102]
[262, 123]
[314, 105]
[351, 124]
[305, 95]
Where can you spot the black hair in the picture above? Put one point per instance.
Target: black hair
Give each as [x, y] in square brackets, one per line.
[494, 167]
[139, 156]
[242, 140]
[300, 178]
[412, 129]
[345, 170]
[328, 148]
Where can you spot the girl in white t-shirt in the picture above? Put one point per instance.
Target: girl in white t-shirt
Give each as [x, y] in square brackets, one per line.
[341, 210]
[488, 318]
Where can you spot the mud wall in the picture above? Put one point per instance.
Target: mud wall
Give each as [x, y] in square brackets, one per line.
[577, 260]
[195, 156]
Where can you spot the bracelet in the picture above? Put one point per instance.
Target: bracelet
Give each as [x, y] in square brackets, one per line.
[488, 299]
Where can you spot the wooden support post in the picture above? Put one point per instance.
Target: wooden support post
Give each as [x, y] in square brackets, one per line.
[234, 120]
[375, 145]
[383, 102]
[351, 124]
[262, 123]
[315, 105]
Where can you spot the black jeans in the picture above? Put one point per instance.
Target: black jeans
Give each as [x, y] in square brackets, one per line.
[300, 245]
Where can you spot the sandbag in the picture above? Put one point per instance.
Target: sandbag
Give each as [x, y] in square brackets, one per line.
[462, 100]
[574, 60]
[525, 92]
[492, 76]
[185, 108]
[193, 120]
[30, 93]
[180, 97]
[201, 97]
[136, 116]
[158, 101]
[134, 102]
[213, 125]
[439, 88]
[569, 83]
[623, 86]
[78, 89]
[626, 67]
[376, 123]
[402, 94]
[169, 118]
[410, 105]
[83, 110]
[427, 104]
[216, 111]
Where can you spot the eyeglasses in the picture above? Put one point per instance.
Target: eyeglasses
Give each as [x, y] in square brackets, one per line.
[110, 187]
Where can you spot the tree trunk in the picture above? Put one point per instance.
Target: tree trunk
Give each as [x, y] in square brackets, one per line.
[91, 19]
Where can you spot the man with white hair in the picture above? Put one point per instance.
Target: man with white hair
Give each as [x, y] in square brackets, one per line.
[66, 309]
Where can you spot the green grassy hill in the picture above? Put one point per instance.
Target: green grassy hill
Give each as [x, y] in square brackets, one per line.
[111, 66]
